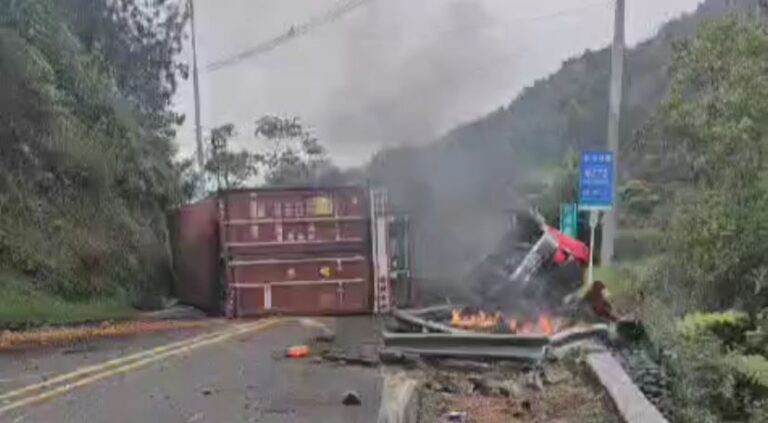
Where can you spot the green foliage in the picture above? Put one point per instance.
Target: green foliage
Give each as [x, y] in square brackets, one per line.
[712, 125]
[634, 244]
[710, 381]
[639, 200]
[295, 156]
[22, 306]
[231, 169]
[86, 170]
[139, 43]
[753, 369]
[729, 327]
[562, 186]
[290, 155]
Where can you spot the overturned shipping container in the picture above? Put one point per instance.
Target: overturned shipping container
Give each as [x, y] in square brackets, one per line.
[293, 251]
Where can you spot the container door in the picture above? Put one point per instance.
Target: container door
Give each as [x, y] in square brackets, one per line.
[298, 251]
[382, 300]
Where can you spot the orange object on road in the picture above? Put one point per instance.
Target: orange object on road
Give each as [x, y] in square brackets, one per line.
[298, 351]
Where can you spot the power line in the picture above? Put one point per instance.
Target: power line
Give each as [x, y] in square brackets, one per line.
[330, 16]
[343, 8]
[521, 19]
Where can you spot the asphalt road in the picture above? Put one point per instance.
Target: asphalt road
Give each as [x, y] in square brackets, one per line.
[238, 378]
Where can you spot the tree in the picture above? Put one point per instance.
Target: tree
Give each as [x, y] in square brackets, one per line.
[295, 156]
[562, 187]
[715, 123]
[231, 169]
[87, 121]
[140, 42]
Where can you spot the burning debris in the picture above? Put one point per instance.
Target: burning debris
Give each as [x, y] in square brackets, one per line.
[488, 362]
[531, 315]
[530, 278]
[481, 321]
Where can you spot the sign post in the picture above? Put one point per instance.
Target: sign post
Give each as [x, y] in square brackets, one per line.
[569, 219]
[596, 191]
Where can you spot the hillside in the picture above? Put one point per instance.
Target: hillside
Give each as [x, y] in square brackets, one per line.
[86, 171]
[457, 187]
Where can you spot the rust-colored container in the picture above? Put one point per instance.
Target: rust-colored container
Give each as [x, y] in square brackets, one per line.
[194, 231]
[297, 251]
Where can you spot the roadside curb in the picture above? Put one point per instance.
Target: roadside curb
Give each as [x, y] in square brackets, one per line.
[399, 399]
[631, 404]
[75, 334]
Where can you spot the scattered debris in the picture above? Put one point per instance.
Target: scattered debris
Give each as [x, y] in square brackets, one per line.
[351, 398]
[504, 396]
[325, 338]
[456, 417]
[465, 365]
[362, 355]
[327, 334]
[535, 381]
[297, 351]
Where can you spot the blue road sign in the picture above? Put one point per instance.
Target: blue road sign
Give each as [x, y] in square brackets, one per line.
[596, 180]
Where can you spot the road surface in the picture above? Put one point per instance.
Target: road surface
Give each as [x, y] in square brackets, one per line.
[219, 375]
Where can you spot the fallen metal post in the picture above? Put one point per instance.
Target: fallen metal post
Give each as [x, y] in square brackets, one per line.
[440, 340]
[598, 330]
[431, 310]
[426, 324]
[529, 354]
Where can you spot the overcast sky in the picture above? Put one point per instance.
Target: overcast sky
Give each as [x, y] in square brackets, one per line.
[392, 72]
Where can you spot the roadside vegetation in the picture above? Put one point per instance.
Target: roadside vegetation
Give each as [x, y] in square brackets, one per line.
[23, 306]
[88, 164]
[694, 212]
[86, 156]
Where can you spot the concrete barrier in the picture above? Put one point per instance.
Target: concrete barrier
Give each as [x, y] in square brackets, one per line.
[633, 406]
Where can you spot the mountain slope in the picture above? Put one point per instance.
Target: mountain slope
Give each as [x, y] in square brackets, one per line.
[457, 188]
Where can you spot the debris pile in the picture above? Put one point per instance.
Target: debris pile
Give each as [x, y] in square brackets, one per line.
[507, 394]
[530, 278]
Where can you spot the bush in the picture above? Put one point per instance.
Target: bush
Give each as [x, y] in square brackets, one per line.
[729, 327]
[638, 243]
[713, 377]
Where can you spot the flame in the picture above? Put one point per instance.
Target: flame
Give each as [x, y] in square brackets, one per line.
[545, 325]
[482, 321]
[527, 327]
[476, 321]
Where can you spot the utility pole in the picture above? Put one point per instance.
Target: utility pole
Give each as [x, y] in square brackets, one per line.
[614, 115]
[196, 84]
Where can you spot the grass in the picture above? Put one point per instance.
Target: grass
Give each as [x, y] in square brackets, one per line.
[22, 306]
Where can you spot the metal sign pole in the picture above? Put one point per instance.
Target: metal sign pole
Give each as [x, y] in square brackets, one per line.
[593, 218]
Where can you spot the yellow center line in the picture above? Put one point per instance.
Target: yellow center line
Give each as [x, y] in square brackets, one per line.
[86, 376]
[4, 397]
